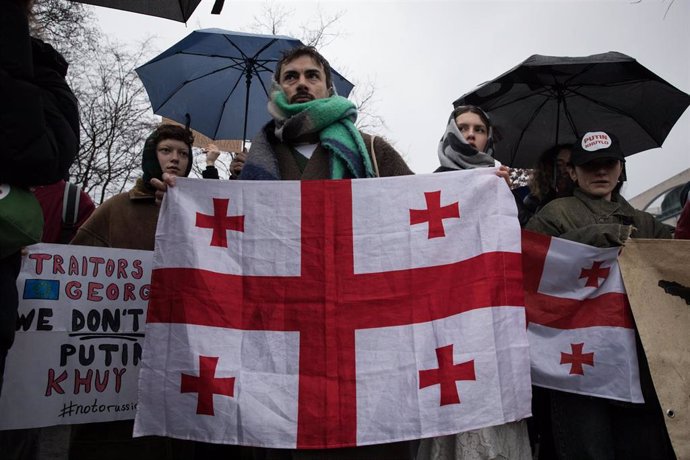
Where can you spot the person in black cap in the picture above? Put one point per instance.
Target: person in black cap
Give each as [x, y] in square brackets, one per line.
[585, 427]
[597, 214]
[597, 165]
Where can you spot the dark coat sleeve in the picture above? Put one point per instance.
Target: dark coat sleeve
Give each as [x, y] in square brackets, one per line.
[39, 118]
[211, 172]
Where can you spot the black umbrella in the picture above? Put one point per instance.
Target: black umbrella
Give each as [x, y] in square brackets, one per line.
[177, 10]
[547, 100]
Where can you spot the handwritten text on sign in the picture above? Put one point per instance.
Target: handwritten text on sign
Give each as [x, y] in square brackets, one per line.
[79, 338]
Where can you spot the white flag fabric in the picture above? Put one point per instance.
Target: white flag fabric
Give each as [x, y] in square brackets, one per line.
[580, 328]
[324, 314]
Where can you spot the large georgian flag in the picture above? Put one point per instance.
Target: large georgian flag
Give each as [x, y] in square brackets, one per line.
[337, 313]
[580, 327]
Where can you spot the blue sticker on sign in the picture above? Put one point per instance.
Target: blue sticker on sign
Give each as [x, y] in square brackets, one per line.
[42, 289]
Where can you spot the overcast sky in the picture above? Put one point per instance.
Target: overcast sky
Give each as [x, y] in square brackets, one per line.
[423, 55]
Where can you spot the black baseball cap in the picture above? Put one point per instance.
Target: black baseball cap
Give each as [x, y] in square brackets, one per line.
[596, 145]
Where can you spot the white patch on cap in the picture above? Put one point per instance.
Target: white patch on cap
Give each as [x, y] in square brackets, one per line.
[4, 190]
[596, 140]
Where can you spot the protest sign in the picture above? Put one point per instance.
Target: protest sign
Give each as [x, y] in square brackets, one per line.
[657, 279]
[79, 338]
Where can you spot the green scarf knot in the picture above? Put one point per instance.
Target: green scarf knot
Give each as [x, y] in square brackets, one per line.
[333, 119]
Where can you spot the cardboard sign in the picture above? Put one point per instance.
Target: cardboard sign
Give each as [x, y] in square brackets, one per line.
[656, 277]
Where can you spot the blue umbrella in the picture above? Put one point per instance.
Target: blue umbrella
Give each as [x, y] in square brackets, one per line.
[218, 82]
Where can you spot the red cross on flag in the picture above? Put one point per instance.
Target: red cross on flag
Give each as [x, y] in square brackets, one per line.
[580, 327]
[332, 317]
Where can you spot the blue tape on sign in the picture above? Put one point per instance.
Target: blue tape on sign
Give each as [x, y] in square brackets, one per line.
[42, 289]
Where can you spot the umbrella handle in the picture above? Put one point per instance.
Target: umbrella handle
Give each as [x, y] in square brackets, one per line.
[217, 6]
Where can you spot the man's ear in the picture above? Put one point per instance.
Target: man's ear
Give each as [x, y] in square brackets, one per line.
[331, 91]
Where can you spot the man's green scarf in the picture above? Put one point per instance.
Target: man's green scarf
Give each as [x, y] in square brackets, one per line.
[332, 118]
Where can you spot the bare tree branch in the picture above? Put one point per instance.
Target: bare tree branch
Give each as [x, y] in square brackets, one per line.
[670, 4]
[115, 113]
[115, 119]
[277, 19]
[273, 18]
[321, 34]
[66, 25]
[364, 97]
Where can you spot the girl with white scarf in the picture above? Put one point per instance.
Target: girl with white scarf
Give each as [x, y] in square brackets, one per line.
[468, 142]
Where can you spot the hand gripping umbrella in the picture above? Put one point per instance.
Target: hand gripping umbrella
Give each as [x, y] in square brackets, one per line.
[218, 81]
[547, 100]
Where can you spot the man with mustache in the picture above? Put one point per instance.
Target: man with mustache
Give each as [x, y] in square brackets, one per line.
[312, 134]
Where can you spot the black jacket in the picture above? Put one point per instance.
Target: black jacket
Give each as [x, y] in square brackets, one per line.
[39, 118]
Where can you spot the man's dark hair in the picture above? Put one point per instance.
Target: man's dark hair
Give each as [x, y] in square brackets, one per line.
[302, 50]
[175, 132]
